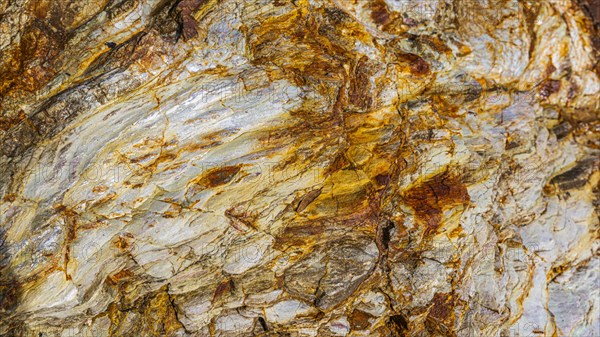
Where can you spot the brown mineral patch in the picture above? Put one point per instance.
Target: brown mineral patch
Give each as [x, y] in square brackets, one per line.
[307, 199]
[340, 162]
[146, 48]
[436, 43]
[241, 218]
[9, 197]
[549, 87]
[124, 242]
[152, 315]
[591, 9]
[417, 65]
[359, 320]
[443, 106]
[349, 203]
[398, 325]
[442, 307]
[120, 276]
[379, 12]
[99, 189]
[440, 319]
[360, 86]
[66, 211]
[578, 176]
[29, 67]
[222, 289]
[142, 157]
[173, 211]
[383, 179]
[420, 67]
[8, 122]
[209, 140]
[430, 198]
[299, 46]
[10, 292]
[298, 236]
[464, 50]
[188, 23]
[218, 176]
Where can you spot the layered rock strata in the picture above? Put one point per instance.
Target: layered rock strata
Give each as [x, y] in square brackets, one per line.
[299, 168]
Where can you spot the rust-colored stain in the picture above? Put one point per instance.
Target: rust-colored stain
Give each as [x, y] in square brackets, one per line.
[348, 123]
[174, 209]
[22, 69]
[359, 320]
[436, 43]
[379, 12]
[360, 84]
[99, 189]
[218, 176]
[186, 8]
[442, 308]
[222, 289]
[441, 316]
[340, 162]
[416, 64]
[154, 314]
[307, 199]
[549, 87]
[430, 198]
[299, 235]
[124, 242]
[10, 121]
[299, 46]
[122, 275]
[241, 219]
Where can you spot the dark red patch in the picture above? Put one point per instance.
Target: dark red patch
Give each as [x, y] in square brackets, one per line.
[442, 308]
[430, 198]
[440, 320]
[418, 66]
[549, 87]
[186, 9]
[360, 86]
[218, 176]
[380, 13]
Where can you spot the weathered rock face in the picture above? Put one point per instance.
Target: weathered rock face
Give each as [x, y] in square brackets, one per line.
[299, 168]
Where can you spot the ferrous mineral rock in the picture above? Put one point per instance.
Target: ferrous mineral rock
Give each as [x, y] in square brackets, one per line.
[299, 168]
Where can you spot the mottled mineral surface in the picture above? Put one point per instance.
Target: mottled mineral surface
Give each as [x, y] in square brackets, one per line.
[299, 168]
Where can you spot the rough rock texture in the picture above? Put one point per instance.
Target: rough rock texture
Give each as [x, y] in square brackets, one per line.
[299, 168]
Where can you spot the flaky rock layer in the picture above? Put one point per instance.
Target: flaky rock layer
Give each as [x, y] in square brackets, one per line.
[299, 168]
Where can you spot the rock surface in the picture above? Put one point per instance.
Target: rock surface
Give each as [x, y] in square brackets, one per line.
[299, 168]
